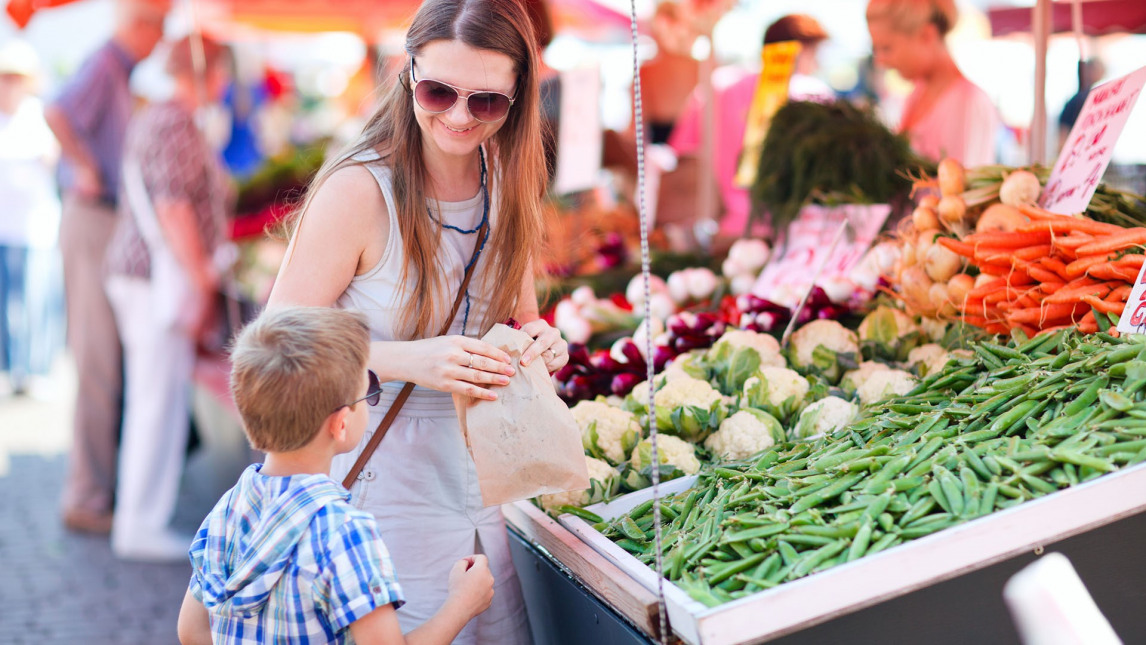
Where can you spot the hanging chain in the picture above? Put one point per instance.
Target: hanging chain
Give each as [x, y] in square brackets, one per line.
[650, 361]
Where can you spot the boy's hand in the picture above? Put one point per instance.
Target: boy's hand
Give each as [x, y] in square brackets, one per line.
[471, 584]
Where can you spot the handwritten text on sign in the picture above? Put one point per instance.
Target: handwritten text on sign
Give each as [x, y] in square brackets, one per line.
[1090, 145]
[810, 238]
[1133, 320]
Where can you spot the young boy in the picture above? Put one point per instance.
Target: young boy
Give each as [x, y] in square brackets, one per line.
[284, 557]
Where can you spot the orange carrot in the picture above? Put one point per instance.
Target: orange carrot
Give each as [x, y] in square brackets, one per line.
[1036, 213]
[1104, 306]
[1082, 265]
[1042, 275]
[1072, 293]
[959, 248]
[1034, 252]
[1047, 312]
[1088, 327]
[1070, 225]
[997, 328]
[1056, 265]
[1126, 239]
[1119, 294]
[1009, 240]
[1133, 260]
[1051, 287]
[1073, 241]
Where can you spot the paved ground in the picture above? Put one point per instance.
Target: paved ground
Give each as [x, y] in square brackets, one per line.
[59, 587]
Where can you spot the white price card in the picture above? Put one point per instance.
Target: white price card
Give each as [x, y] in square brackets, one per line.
[809, 239]
[1090, 145]
[579, 132]
[1133, 320]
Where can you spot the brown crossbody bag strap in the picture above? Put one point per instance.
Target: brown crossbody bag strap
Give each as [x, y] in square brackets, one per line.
[404, 394]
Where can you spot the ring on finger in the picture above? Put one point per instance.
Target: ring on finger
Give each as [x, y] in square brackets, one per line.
[471, 363]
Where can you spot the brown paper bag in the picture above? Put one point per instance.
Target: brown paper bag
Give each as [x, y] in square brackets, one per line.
[525, 443]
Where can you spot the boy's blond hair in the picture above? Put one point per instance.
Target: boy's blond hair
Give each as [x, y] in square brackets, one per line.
[909, 16]
[292, 368]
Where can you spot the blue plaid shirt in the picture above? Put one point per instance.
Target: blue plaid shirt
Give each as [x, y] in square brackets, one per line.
[289, 560]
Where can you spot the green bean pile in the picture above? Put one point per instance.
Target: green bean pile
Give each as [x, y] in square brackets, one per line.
[987, 432]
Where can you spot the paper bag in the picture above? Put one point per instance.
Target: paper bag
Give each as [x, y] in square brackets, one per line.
[526, 443]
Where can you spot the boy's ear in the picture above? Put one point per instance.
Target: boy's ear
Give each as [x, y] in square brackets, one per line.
[335, 424]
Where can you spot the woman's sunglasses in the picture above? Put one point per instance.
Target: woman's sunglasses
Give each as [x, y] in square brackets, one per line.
[373, 391]
[437, 97]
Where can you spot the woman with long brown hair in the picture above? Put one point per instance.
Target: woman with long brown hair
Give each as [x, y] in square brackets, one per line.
[388, 228]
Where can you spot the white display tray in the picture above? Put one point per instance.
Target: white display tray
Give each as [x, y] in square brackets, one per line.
[870, 580]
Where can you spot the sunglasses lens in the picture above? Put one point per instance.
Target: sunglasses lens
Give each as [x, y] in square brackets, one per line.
[374, 389]
[434, 96]
[488, 106]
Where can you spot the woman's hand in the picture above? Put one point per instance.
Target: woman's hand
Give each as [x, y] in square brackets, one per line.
[459, 365]
[547, 343]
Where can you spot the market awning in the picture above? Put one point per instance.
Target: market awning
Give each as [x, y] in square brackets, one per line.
[1099, 17]
[587, 18]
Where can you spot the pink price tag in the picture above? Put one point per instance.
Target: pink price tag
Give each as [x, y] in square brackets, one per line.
[1090, 145]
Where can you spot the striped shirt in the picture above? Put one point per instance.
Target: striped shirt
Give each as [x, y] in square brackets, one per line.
[289, 560]
[97, 103]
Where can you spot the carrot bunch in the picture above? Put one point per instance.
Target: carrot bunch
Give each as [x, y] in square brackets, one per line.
[1050, 273]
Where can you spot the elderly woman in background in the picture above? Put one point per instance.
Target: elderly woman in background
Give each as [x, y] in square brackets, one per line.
[946, 115]
[162, 282]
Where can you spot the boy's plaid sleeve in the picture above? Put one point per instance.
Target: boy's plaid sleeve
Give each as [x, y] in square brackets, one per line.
[359, 577]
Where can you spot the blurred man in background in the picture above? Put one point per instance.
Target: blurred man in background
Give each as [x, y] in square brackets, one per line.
[89, 118]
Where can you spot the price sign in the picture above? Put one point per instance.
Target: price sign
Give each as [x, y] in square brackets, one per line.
[1133, 320]
[809, 239]
[771, 94]
[1090, 145]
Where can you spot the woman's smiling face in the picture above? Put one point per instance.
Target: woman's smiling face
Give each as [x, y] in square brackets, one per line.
[456, 132]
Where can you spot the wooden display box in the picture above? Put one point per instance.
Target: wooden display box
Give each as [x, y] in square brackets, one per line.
[866, 582]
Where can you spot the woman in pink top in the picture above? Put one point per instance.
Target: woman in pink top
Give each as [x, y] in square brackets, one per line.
[946, 114]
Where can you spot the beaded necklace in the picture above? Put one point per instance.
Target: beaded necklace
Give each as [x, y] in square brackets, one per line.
[467, 231]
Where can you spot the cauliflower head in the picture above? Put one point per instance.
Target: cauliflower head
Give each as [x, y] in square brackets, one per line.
[819, 345]
[671, 451]
[606, 432]
[882, 384]
[825, 416]
[852, 378]
[689, 408]
[778, 390]
[744, 434]
[767, 347]
[604, 481]
[930, 358]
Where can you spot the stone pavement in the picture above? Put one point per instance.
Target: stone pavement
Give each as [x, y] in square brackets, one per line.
[58, 587]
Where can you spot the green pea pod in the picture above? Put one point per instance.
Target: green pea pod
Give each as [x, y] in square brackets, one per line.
[788, 552]
[975, 462]
[733, 568]
[876, 508]
[886, 542]
[919, 509]
[835, 532]
[630, 529]
[1086, 399]
[819, 497]
[860, 542]
[882, 479]
[987, 502]
[1081, 460]
[815, 558]
[971, 491]
[907, 483]
[576, 511]
[920, 531]
[642, 509]
[1115, 400]
[936, 490]
[759, 532]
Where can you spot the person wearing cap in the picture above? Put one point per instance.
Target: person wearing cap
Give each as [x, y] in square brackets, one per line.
[29, 217]
[946, 115]
[733, 91]
[89, 118]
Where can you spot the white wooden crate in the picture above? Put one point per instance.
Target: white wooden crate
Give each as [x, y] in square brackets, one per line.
[895, 572]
